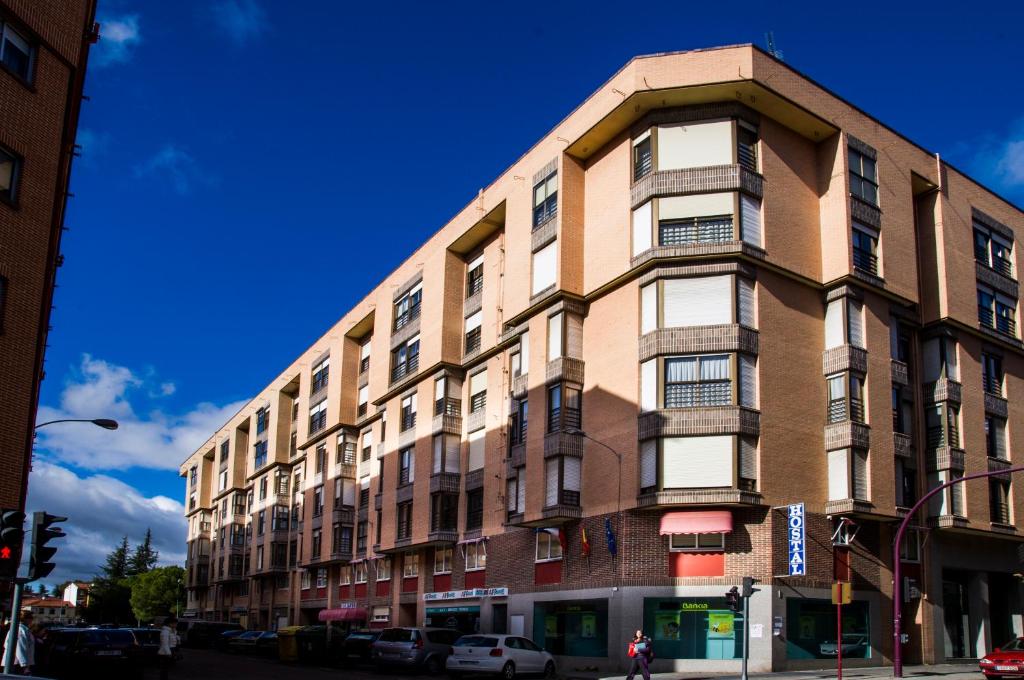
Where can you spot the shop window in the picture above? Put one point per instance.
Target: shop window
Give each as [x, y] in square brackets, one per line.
[572, 627]
[694, 628]
[697, 542]
[811, 630]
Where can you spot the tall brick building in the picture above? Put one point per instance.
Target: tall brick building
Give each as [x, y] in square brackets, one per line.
[714, 292]
[44, 47]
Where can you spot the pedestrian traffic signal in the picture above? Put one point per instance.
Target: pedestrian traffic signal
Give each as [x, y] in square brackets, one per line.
[39, 565]
[12, 535]
[733, 599]
[748, 585]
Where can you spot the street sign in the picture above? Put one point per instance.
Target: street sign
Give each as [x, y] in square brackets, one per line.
[842, 593]
[797, 540]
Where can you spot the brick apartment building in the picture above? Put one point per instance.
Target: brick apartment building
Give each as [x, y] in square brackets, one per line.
[44, 46]
[714, 291]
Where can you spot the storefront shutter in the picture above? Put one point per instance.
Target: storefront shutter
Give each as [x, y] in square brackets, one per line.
[701, 301]
[750, 220]
[476, 449]
[697, 462]
[544, 267]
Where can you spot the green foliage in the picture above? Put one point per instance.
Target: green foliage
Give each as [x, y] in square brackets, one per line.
[111, 595]
[144, 558]
[157, 592]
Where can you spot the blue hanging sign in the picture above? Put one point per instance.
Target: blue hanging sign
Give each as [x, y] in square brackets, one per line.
[797, 540]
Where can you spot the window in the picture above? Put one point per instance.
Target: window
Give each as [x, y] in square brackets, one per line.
[316, 545]
[940, 359]
[407, 307]
[306, 579]
[261, 522]
[318, 501]
[224, 451]
[643, 156]
[681, 231]
[942, 425]
[474, 509]
[694, 144]
[906, 483]
[545, 268]
[359, 572]
[345, 451]
[995, 437]
[380, 614]
[476, 555]
[321, 578]
[475, 276]
[516, 492]
[844, 323]
[697, 542]
[518, 422]
[993, 250]
[318, 417]
[383, 565]
[847, 474]
[280, 518]
[564, 407]
[545, 199]
[405, 359]
[446, 453]
[865, 247]
[404, 525]
[999, 501]
[406, 466]
[556, 336]
[320, 458]
[845, 398]
[746, 145]
[364, 356]
[863, 176]
[367, 446]
[262, 420]
[408, 412]
[520, 359]
[16, 53]
[562, 481]
[478, 391]
[996, 311]
[902, 410]
[345, 576]
[411, 565]
[697, 381]
[442, 560]
[548, 545]
[361, 532]
[193, 475]
[260, 449]
[910, 551]
[992, 374]
[697, 301]
[444, 509]
[473, 332]
[320, 374]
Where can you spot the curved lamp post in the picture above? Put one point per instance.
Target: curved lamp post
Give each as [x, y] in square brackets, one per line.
[105, 423]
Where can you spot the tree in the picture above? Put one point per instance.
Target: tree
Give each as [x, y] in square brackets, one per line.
[60, 587]
[43, 590]
[111, 592]
[157, 592]
[116, 566]
[144, 558]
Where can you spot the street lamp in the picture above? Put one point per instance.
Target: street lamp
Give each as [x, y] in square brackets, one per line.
[105, 423]
[618, 496]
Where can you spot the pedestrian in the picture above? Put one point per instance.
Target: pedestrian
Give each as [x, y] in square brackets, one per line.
[24, 648]
[640, 652]
[168, 644]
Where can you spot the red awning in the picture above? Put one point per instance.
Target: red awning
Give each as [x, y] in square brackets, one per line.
[345, 614]
[696, 522]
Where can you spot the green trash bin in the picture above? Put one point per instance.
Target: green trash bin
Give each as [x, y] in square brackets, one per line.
[288, 643]
[312, 644]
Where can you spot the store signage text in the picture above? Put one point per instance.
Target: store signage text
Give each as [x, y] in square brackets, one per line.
[465, 594]
[797, 540]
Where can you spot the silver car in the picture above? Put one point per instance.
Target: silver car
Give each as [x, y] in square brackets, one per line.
[504, 655]
[413, 648]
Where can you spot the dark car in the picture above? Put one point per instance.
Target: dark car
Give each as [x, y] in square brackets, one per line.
[91, 653]
[149, 641]
[356, 647]
[203, 633]
[1004, 661]
[254, 642]
[225, 638]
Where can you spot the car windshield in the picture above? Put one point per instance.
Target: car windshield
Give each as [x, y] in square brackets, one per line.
[1015, 645]
[476, 641]
[397, 635]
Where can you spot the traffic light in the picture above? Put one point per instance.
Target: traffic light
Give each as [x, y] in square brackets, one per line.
[748, 585]
[733, 599]
[12, 534]
[39, 565]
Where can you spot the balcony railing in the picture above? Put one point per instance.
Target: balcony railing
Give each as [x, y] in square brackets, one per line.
[937, 437]
[1002, 324]
[992, 384]
[477, 401]
[399, 371]
[472, 341]
[563, 418]
[696, 230]
[686, 395]
[865, 261]
[408, 315]
[364, 365]
[408, 421]
[474, 285]
[447, 406]
[403, 476]
[1003, 266]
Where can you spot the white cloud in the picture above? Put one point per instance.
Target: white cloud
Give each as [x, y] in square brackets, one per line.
[118, 39]
[997, 160]
[243, 20]
[1010, 166]
[100, 510]
[154, 440]
[177, 166]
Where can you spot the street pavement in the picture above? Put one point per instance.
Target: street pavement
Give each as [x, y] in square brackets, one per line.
[938, 672]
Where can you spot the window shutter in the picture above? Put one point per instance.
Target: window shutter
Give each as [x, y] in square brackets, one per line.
[473, 321]
[697, 462]
[551, 482]
[702, 301]
[367, 438]
[696, 205]
[555, 337]
[748, 458]
[412, 465]
[747, 302]
[838, 475]
[510, 495]
[573, 335]
[1000, 437]
[476, 449]
[475, 263]
[544, 269]
[571, 470]
[952, 366]
[649, 307]
[648, 463]
[649, 385]
[642, 228]
[348, 492]
[439, 388]
[478, 383]
[364, 394]
[521, 490]
[693, 145]
[364, 350]
[834, 336]
[438, 453]
[856, 321]
[524, 351]
[748, 381]
[750, 220]
[364, 483]
[860, 474]
[451, 459]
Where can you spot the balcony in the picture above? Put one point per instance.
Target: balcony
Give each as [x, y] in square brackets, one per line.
[408, 367]
[840, 410]
[697, 421]
[713, 178]
[443, 536]
[844, 358]
[445, 482]
[653, 498]
[408, 316]
[1004, 325]
[938, 437]
[865, 261]
[345, 470]
[900, 373]
[344, 515]
[943, 389]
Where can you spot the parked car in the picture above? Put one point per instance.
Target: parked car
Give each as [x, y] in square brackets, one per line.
[149, 641]
[1005, 660]
[195, 633]
[221, 641]
[254, 642]
[91, 653]
[855, 646]
[504, 655]
[356, 647]
[414, 648]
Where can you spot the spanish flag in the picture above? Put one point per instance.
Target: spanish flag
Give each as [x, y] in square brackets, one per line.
[584, 543]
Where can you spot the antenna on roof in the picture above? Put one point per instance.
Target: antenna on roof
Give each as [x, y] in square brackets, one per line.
[769, 38]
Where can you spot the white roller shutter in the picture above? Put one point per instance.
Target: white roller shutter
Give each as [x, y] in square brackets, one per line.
[747, 302]
[475, 263]
[473, 321]
[544, 269]
[855, 314]
[412, 465]
[571, 469]
[348, 492]
[510, 495]
[439, 388]
[649, 385]
[860, 474]
[697, 462]
[697, 205]
[750, 220]
[364, 394]
[999, 437]
[521, 489]
[367, 438]
[550, 482]
[555, 336]
[648, 463]
[649, 307]
[451, 459]
[524, 351]
[838, 475]
[834, 336]
[701, 301]
[476, 449]
[413, 402]
[478, 383]
[642, 228]
[438, 454]
[693, 145]
[364, 483]
[364, 350]
[748, 381]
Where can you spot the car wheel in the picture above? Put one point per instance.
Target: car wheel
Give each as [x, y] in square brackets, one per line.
[432, 666]
[549, 671]
[508, 672]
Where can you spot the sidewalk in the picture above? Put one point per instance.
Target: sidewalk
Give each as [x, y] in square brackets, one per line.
[964, 671]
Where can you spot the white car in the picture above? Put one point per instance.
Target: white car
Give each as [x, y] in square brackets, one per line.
[504, 655]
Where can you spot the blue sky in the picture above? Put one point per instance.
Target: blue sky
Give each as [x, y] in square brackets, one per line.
[233, 198]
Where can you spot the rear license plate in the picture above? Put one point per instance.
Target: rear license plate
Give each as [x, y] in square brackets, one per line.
[1007, 668]
[108, 652]
[465, 662]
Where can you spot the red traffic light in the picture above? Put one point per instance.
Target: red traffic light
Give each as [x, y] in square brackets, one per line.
[5, 553]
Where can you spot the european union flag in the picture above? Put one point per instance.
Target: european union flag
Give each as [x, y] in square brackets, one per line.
[609, 536]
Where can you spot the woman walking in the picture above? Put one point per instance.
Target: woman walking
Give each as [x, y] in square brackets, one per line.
[641, 652]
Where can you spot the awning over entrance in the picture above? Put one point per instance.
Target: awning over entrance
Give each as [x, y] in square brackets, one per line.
[696, 522]
[348, 614]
